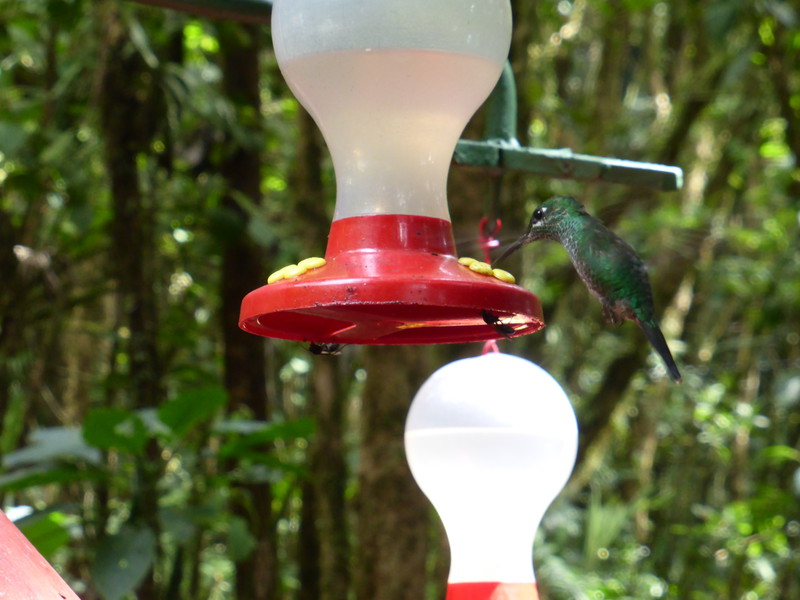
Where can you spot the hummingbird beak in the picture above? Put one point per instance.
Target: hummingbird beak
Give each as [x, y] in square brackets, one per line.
[513, 248]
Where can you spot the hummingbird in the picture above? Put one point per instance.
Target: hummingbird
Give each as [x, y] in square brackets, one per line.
[608, 266]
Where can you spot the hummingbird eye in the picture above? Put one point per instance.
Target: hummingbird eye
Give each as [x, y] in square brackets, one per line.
[538, 215]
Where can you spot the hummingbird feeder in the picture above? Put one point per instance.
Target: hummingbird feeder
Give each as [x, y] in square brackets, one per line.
[491, 441]
[391, 84]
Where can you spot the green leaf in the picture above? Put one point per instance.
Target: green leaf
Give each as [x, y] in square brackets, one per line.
[58, 149]
[262, 232]
[64, 12]
[774, 149]
[780, 454]
[142, 43]
[241, 426]
[266, 469]
[22, 479]
[604, 523]
[47, 531]
[53, 444]
[267, 430]
[251, 444]
[182, 521]
[116, 428]
[155, 427]
[12, 137]
[190, 408]
[178, 521]
[122, 561]
[240, 541]
[225, 225]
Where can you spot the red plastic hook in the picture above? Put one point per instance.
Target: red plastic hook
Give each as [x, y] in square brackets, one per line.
[490, 346]
[487, 240]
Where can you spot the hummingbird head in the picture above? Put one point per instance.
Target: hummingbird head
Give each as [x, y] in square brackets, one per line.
[550, 221]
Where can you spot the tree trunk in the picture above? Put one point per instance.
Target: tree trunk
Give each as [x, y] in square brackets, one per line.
[131, 106]
[242, 270]
[328, 479]
[393, 514]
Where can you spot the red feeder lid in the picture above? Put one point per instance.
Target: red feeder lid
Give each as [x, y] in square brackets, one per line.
[391, 279]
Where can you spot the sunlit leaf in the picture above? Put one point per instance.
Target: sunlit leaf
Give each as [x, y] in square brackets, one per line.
[774, 150]
[47, 531]
[780, 454]
[53, 444]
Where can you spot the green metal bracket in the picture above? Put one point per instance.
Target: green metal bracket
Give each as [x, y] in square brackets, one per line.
[248, 11]
[501, 150]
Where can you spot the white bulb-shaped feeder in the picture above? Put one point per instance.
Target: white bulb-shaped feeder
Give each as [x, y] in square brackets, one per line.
[391, 84]
[491, 441]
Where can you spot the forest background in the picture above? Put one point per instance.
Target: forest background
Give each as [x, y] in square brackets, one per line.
[154, 169]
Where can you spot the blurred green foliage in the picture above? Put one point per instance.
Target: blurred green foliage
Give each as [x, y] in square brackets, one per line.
[682, 492]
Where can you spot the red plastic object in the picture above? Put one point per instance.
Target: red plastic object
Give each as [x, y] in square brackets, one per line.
[391, 279]
[492, 591]
[486, 240]
[24, 573]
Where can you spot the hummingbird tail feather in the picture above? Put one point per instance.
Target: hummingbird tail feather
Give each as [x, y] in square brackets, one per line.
[656, 339]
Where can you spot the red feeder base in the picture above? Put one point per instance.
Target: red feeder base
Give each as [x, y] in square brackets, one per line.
[391, 279]
[24, 573]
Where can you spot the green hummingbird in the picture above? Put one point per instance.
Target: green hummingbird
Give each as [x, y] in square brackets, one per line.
[608, 266]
